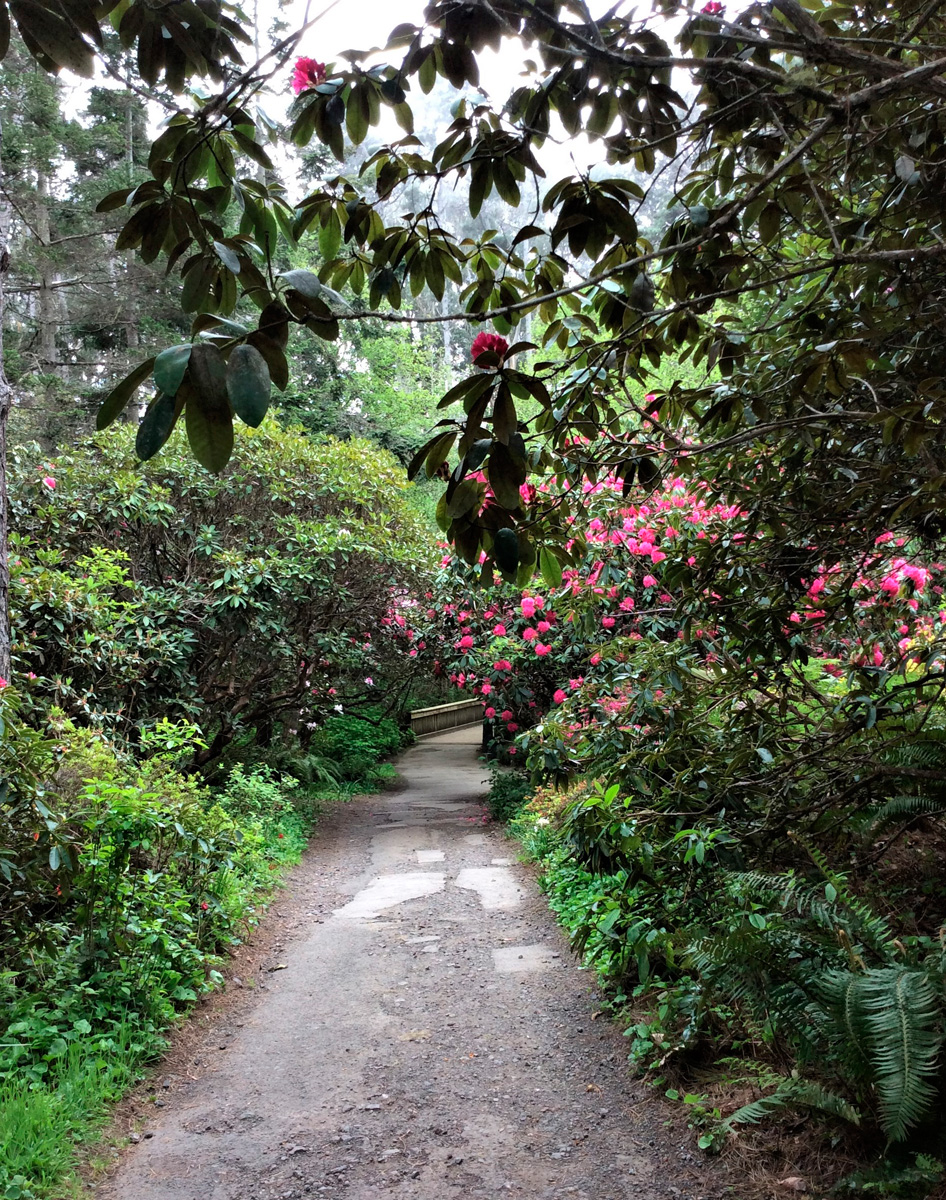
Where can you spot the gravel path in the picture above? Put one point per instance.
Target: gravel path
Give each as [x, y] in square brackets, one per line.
[418, 1029]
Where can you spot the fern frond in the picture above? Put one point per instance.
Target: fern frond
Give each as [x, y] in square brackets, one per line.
[904, 808]
[794, 1093]
[902, 1016]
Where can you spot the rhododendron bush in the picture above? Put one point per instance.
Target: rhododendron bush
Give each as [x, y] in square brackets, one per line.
[610, 667]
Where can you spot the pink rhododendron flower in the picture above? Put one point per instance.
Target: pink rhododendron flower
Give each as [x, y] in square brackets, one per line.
[595, 659]
[499, 631]
[485, 343]
[369, 681]
[307, 74]
[649, 581]
[490, 713]
[49, 482]
[542, 650]
[4, 682]
[527, 607]
[544, 626]
[512, 726]
[486, 688]
[506, 715]
[466, 642]
[607, 622]
[529, 635]
[559, 696]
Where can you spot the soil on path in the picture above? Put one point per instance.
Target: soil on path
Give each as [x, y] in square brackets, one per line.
[430, 1035]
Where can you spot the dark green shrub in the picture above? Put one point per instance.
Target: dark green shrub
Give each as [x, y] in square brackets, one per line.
[508, 792]
[353, 744]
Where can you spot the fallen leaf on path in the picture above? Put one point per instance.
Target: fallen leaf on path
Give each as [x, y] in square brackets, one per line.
[279, 967]
[794, 1183]
[592, 1087]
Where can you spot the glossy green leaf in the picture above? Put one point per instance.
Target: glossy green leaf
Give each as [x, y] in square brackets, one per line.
[156, 426]
[116, 400]
[170, 367]
[248, 384]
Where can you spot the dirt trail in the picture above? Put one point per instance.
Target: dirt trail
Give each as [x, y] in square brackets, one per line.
[429, 1037]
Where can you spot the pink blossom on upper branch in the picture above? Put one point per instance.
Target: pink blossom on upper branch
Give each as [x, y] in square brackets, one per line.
[306, 74]
[488, 343]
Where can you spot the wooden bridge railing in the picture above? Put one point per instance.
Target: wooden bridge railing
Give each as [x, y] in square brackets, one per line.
[446, 716]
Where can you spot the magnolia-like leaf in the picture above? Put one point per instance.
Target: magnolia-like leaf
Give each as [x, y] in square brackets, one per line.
[550, 567]
[506, 550]
[248, 384]
[157, 426]
[209, 425]
[121, 393]
[305, 282]
[170, 367]
[228, 257]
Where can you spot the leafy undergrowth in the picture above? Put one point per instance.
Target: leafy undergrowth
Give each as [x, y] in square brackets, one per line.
[781, 1013]
[139, 883]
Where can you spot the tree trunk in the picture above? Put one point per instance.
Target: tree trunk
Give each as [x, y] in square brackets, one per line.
[48, 305]
[6, 403]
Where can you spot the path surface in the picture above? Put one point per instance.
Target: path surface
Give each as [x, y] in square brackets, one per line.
[430, 1035]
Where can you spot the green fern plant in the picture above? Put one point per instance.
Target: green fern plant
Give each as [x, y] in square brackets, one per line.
[793, 1093]
[822, 971]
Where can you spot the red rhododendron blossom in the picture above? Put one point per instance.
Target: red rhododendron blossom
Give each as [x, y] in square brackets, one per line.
[506, 715]
[307, 74]
[542, 650]
[512, 726]
[559, 696]
[490, 713]
[485, 343]
[466, 643]
[529, 635]
[499, 631]
[713, 9]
